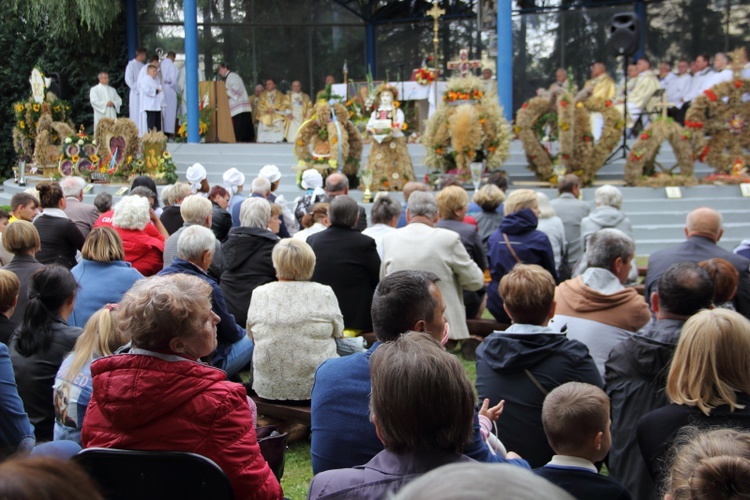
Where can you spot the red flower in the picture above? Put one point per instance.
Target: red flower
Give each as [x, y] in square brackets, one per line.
[525, 105]
[608, 104]
[564, 104]
[738, 84]
[711, 95]
[690, 124]
[644, 136]
[703, 154]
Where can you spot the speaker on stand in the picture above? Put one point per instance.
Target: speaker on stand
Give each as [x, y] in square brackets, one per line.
[624, 34]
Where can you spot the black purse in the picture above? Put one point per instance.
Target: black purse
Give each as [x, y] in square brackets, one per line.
[273, 448]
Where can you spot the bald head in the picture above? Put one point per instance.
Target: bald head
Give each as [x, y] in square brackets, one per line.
[336, 184]
[704, 222]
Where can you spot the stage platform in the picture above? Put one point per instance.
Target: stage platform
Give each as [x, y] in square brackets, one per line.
[657, 221]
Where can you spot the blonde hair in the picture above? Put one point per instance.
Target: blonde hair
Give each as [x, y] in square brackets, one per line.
[276, 210]
[21, 237]
[450, 200]
[711, 361]
[489, 197]
[293, 260]
[518, 200]
[710, 465]
[528, 292]
[179, 191]
[545, 209]
[100, 338]
[9, 288]
[103, 244]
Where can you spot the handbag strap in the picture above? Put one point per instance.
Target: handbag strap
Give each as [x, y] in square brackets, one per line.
[510, 247]
[535, 382]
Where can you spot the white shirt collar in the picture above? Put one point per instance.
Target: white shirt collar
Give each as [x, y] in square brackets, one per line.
[566, 461]
[55, 212]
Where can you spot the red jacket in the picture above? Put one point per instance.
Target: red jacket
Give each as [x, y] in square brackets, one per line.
[143, 251]
[144, 402]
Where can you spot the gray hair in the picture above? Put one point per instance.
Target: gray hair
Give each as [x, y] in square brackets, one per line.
[477, 481]
[545, 209]
[384, 210]
[261, 185]
[132, 212]
[255, 212]
[72, 185]
[422, 203]
[605, 245]
[343, 211]
[196, 209]
[194, 241]
[608, 196]
[165, 193]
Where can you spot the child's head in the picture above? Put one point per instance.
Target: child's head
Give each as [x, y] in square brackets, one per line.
[576, 420]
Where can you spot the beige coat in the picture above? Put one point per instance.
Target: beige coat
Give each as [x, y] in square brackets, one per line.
[423, 248]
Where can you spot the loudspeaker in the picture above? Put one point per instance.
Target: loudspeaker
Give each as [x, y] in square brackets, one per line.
[624, 32]
[59, 85]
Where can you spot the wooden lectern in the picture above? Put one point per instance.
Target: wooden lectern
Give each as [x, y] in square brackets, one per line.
[221, 129]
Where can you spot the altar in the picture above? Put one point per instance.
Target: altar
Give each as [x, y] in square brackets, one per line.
[407, 91]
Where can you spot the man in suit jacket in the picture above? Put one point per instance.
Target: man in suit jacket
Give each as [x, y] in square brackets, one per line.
[82, 214]
[348, 262]
[571, 211]
[703, 230]
[423, 247]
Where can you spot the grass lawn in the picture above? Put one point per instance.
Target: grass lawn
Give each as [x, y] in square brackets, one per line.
[298, 468]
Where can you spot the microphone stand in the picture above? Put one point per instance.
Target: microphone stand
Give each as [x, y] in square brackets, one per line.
[624, 146]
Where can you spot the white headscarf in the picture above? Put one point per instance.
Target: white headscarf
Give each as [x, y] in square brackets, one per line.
[232, 179]
[195, 175]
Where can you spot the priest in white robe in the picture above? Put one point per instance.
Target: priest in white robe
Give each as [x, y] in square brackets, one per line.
[239, 105]
[104, 100]
[169, 77]
[272, 108]
[143, 75]
[131, 79]
[299, 107]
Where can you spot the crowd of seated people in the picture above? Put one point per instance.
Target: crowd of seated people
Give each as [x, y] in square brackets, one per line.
[132, 338]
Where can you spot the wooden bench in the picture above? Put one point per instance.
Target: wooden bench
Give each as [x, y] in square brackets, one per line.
[288, 413]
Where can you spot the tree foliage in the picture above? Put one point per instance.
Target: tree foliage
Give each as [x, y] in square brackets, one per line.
[79, 58]
[66, 18]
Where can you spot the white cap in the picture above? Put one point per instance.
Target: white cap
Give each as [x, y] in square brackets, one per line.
[312, 179]
[195, 174]
[232, 179]
[270, 172]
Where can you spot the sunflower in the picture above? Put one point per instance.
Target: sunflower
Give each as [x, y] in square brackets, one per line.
[19, 108]
[75, 158]
[167, 155]
[36, 108]
[22, 125]
[94, 158]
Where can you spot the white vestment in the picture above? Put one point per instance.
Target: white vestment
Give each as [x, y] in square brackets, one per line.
[143, 77]
[131, 79]
[677, 88]
[151, 98]
[100, 95]
[297, 104]
[169, 76]
[699, 84]
[718, 77]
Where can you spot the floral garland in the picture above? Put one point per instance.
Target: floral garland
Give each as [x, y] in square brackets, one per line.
[120, 134]
[314, 149]
[49, 138]
[647, 147]
[27, 115]
[725, 123]
[578, 153]
[484, 136]
[425, 76]
[78, 156]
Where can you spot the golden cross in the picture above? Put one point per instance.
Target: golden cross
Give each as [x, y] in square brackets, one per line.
[739, 57]
[435, 12]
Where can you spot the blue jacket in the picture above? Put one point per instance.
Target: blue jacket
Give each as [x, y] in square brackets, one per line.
[16, 432]
[100, 283]
[531, 246]
[342, 434]
[227, 331]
